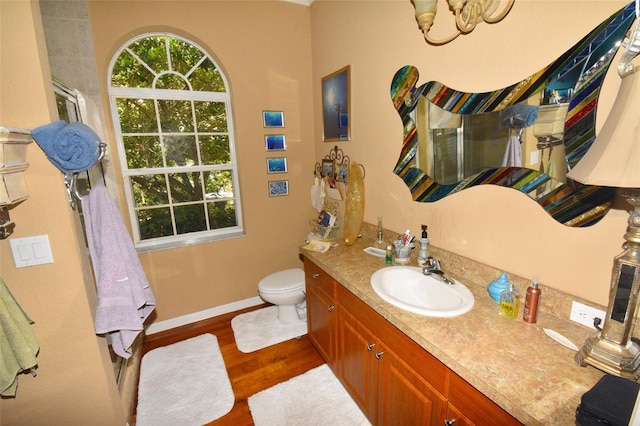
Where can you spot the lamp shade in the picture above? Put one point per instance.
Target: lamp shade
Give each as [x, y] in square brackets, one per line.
[425, 6]
[614, 157]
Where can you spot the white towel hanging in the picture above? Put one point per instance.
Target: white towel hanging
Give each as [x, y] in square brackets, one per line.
[317, 194]
[513, 153]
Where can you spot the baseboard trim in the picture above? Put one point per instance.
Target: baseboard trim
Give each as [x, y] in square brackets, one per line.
[202, 315]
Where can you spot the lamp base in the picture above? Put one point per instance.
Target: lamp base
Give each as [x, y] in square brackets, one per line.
[610, 357]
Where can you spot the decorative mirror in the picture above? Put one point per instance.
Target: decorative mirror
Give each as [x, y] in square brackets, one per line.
[446, 131]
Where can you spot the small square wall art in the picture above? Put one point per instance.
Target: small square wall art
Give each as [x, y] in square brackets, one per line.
[275, 142]
[277, 165]
[273, 118]
[278, 188]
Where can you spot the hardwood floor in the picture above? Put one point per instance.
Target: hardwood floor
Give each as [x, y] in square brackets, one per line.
[249, 373]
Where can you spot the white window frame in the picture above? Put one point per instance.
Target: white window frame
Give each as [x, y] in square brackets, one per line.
[165, 94]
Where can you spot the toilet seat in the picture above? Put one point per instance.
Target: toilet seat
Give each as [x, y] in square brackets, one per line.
[282, 281]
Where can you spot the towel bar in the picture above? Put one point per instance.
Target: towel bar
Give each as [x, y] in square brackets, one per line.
[71, 179]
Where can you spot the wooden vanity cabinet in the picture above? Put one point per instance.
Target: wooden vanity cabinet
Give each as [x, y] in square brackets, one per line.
[391, 378]
[321, 311]
[387, 389]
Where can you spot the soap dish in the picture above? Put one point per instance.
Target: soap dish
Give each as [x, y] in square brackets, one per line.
[375, 251]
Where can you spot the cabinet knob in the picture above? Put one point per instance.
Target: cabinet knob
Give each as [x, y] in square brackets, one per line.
[315, 275]
[370, 346]
[331, 308]
[449, 422]
[379, 354]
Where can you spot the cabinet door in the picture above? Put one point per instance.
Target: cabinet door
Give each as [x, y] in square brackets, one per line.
[405, 398]
[474, 407]
[321, 303]
[456, 418]
[357, 365]
[321, 323]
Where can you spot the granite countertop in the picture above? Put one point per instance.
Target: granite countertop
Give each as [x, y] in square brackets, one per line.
[512, 362]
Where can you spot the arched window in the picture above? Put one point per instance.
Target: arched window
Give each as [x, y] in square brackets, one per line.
[173, 123]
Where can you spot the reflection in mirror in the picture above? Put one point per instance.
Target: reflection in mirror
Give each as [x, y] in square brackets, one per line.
[453, 147]
[525, 136]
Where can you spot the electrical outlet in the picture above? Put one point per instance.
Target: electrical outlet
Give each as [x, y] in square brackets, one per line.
[584, 314]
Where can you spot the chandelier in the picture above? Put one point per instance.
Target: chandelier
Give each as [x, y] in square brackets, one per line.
[468, 14]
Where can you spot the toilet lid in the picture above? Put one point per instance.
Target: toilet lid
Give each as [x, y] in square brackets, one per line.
[287, 280]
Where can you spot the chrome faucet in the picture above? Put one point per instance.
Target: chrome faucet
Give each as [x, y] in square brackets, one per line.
[433, 267]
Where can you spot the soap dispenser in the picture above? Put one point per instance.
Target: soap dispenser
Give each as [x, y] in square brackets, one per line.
[423, 253]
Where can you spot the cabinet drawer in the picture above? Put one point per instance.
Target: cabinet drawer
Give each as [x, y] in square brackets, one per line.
[315, 276]
[476, 407]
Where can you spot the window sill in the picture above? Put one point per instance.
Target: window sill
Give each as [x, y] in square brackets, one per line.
[145, 247]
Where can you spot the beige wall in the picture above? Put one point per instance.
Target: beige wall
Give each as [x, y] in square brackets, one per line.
[75, 384]
[265, 50]
[500, 227]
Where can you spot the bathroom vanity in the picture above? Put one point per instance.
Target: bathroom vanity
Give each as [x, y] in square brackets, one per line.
[402, 368]
[371, 362]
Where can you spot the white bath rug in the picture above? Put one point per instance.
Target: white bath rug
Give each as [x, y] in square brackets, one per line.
[313, 398]
[261, 328]
[185, 383]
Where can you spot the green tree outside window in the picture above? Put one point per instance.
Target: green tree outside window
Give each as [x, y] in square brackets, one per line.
[173, 111]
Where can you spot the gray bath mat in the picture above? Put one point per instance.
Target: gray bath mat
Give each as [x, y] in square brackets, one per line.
[261, 328]
[313, 398]
[185, 383]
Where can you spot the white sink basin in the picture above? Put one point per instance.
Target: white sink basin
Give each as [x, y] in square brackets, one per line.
[408, 288]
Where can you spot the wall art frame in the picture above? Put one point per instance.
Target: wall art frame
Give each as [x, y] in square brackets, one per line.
[342, 172]
[336, 105]
[328, 168]
[275, 143]
[278, 188]
[277, 165]
[272, 118]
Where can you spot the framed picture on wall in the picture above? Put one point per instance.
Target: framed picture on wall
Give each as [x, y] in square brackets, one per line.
[342, 172]
[277, 165]
[275, 142]
[336, 103]
[273, 118]
[328, 168]
[278, 188]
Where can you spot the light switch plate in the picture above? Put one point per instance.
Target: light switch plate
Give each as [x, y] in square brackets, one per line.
[534, 158]
[30, 251]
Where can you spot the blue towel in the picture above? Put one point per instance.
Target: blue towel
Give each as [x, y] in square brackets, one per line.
[72, 148]
[519, 116]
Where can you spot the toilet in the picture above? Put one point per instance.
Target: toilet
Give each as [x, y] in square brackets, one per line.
[285, 289]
